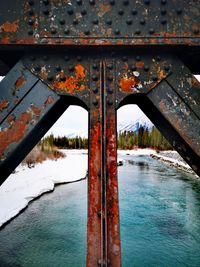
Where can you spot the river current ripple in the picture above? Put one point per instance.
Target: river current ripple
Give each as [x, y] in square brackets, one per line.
[159, 216]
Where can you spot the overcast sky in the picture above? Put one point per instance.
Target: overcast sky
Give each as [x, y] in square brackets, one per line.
[75, 119]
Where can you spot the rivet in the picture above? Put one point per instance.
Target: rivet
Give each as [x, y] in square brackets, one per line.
[133, 68]
[110, 66]
[71, 68]
[66, 58]
[146, 68]
[75, 21]
[99, 212]
[138, 58]
[137, 31]
[30, 32]
[45, 58]
[110, 102]
[37, 68]
[129, 21]
[154, 78]
[70, 11]
[79, 58]
[158, 58]
[142, 21]
[31, 2]
[13, 40]
[87, 32]
[95, 90]
[121, 12]
[147, 2]
[95, 21]
[53, 30]
[110, 78]
[163, 2]
[79, 2]
[166, 68]
[163, 11]
[94, 66]
[46, 11]
[95, 102]
[30, 21]
[92, 2]
[134, 12]
[196, 31]
[108, 21]
[112, 2]
[83, 12]
[117, 31]
[63, 78]
[58, 68]
[45, 2]
[99, 173]
[151, 31]
[124, 58]
[110, 91]
[50, 78]
[126, 2]
[62, 21]
[94, 77]
[163, 21]
[32, 58]
[31, 13]
[179, 11]
[66, 31]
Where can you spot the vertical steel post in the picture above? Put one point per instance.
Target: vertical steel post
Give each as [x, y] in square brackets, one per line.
[103, 209]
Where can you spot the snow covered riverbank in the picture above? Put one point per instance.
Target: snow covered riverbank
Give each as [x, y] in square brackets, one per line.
[28, 183]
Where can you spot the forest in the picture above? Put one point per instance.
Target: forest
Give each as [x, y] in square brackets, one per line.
[142, 138]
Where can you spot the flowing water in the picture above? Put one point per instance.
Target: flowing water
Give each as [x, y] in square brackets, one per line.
[159, 215]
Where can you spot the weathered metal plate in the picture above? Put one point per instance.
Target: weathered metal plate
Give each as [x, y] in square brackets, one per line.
[100, 22]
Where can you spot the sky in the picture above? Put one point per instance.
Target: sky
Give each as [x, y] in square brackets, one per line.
[75, 119]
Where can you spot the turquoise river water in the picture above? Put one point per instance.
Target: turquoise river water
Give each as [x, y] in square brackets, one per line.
[159, 216]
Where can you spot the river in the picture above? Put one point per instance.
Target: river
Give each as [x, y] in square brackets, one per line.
[159, 216]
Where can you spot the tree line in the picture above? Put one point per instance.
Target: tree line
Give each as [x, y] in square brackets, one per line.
[143, 138]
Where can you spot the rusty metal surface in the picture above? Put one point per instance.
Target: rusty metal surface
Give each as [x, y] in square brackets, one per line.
[102, 22]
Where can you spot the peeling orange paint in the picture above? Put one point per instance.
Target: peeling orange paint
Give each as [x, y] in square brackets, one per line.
[20, 81]
[3, 104]
[127, 84]
[10, 26]
[72, 83]
[139, 64]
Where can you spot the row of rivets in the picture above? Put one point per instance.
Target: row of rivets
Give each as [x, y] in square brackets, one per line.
[31, 21]
[95, 77]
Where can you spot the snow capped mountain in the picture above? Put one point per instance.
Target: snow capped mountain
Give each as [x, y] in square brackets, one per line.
[133, 126]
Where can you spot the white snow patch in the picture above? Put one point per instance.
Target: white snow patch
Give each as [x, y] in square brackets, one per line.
[26, 184]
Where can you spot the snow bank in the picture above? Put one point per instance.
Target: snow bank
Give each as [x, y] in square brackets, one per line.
[26, 184]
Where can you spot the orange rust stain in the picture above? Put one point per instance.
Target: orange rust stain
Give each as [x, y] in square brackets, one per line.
[15, 132]
[139, 64]
[10, 26]
[72, 83]
[3, 104]
[161, 75]
[10, 118]
[20, 81]
[127, 84]
[49, 101]
[104, 8]
[195, 82]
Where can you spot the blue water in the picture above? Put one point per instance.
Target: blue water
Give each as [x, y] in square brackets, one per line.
[159, 215]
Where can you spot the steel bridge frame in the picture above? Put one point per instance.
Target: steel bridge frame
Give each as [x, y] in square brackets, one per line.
[99, 55]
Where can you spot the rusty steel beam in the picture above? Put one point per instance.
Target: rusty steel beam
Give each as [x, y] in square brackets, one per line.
[81, 23]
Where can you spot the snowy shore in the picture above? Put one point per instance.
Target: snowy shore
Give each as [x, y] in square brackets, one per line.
[28, 183]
